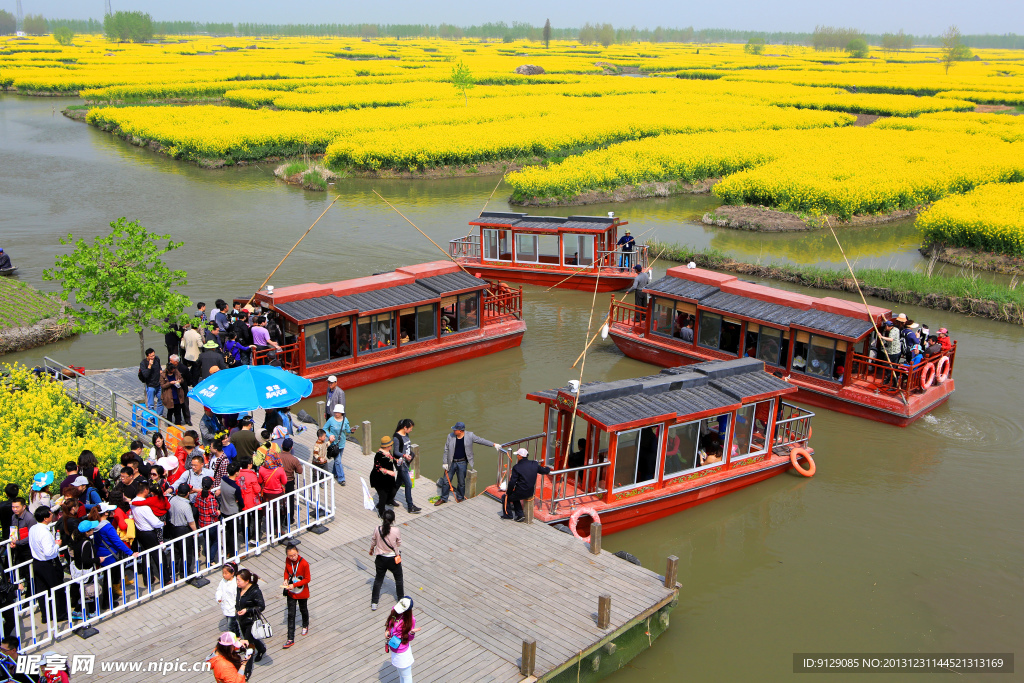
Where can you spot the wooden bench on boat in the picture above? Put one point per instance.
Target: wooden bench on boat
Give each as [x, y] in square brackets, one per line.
[374, 328]
[546, 250]
[646, 441]
[821, 345]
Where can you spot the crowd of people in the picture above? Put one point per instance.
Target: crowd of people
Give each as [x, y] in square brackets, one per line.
[906, 343]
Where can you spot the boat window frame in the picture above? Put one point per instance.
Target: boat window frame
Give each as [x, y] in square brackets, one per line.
[475, 297]
[726, 445]
[722, 321]
[497, 231]
[333, 323]
[780, 361]
[309, 336]
[415, 339]
[536, 247]
[677, 307]
[811, 336]
[636, 462]
[374, 321]
[577, 236]
[769, 429]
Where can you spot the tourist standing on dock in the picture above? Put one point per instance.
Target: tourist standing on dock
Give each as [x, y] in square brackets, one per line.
[244, 440]
[227, 660]
[227, 594]
[149, 375]
[192, 345]
[22, 522]
[46, 566]
[292, 468]
[173, 388]
[400, 630]
[296, 589]
[335, 397]
[210, 358]
[458, 458]
[521, 483]
[248, 606]
[221, 321]
[384, 476]
[337, 429]
[243, 335]
[403, 453]
[384, 549]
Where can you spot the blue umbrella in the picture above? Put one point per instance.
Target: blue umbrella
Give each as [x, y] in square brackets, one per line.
[248, 387]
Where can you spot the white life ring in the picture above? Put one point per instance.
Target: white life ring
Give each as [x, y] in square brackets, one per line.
[575, 518]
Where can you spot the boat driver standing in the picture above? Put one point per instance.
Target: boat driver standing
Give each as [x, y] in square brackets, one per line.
[521, 483]
[639, 288]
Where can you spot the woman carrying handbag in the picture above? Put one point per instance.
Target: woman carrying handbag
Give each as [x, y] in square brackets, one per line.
[249, 606]
[384, 549]
[399, 632]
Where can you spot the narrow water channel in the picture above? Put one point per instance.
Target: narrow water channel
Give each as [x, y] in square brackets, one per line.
[907, 540]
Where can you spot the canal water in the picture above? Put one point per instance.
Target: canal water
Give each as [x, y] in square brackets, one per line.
[906, 540]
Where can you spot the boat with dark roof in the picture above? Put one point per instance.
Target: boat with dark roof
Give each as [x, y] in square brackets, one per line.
[570, 253]
[822, 346]
[374, 328]
[652, 446]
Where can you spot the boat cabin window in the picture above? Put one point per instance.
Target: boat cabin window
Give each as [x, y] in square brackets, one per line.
[416, 324]
[752, 424]
[636, 457]
[537, 248]
[498, 245]
[672, 317]
[766, 343]
[817, 356]
[696, 445]
[719, 333]
[317, 344]
[341, 338]
[376, 332]
[291, 332]
[460, 313]
[578, 250]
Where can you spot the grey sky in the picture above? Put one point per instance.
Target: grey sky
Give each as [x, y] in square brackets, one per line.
[874, 16]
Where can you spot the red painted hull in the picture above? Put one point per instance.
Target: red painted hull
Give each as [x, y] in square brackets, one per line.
[609, 282]
[378, 367]
[851, 400]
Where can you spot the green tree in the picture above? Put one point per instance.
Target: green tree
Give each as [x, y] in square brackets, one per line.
[8, 23]
[754, 46]
[462, 79]
[547, 33]
[119, 282]
[124, 26]
[35, 25]
[953, 49]
[606, 34]
[587, 34]
[857, 48]
[63, 35]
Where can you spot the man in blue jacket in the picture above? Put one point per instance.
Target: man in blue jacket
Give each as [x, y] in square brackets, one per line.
[458, 458]
[521, 484]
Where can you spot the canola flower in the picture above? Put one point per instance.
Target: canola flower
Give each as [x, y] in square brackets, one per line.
[43, 428]
[990, 217]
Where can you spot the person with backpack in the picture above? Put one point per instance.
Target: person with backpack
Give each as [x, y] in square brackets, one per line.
[250, 490]
[85, 561]
[109, 548]
[400, 629]
[296, 589]
[149, 375]
[384, 549]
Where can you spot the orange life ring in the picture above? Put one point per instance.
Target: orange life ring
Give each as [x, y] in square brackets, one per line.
[794, 458]
[942, 370]
[928, 375]
[575, 518]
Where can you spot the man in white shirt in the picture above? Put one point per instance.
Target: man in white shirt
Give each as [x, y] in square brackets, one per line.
[148, 531]
[45, 562]
[192, 343]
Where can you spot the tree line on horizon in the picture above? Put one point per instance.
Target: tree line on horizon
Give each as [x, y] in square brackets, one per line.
[125, 25]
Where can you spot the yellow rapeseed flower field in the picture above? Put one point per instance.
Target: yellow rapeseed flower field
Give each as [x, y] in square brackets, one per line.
[989, 218]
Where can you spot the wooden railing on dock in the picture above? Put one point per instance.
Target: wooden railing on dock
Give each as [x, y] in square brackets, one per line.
[288, 356]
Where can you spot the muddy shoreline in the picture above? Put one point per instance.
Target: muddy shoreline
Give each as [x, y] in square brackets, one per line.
[974, 259]
[763, 219]
[42, 333]
[622, 194]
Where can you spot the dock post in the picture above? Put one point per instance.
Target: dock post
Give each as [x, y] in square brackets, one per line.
[367, 435]
[604, 611]
[320, 407]
[671, 571]
[471, 488]
[595, 539]
[528, 510]
[113, 407]
[529, 657]
[414, 466]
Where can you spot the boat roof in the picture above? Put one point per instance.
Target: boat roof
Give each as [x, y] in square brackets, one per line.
[554, 224]
[693, 391]
[780, 308]
[402, 287]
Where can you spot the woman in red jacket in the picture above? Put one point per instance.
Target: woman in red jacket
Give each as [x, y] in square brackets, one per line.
[296, 589]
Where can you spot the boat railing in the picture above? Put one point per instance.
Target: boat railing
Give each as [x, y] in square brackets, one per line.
[288, 356]
[503, 302]
[618, 261]
[465, 247]
[894, 377]
[792, 426]
[622, 313]
[571, 483]
[506, 458]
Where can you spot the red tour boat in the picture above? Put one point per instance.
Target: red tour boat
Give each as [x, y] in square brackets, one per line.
[822, 346]
[547, 250]
[649, 447]
[374, 328]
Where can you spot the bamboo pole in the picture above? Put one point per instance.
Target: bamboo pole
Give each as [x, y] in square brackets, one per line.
[580, 270]
[258, 289]
[576, 403]
[447, 255]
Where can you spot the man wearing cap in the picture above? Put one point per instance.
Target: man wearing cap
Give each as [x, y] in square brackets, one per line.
[457, 459]
[521, 483]
[5, 260]
[210, 358]
[244, 440]
[338, 430]
[335, 396]
[639, 286]
[626, 246]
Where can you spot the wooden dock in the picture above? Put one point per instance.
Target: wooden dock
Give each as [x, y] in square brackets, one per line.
[481, 585]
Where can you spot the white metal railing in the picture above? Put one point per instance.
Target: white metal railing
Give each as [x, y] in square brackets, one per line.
[90, 597]
[792, 426]
[465, 247]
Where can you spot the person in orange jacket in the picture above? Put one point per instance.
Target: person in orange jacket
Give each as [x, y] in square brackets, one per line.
[227, 660]
[296, 589]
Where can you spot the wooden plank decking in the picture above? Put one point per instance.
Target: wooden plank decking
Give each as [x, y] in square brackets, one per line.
[481, 586]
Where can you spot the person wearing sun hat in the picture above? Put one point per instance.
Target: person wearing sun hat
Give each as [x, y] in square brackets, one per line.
[210, 358]
[227, 661]
[521, 483]
[384, 476]
[626, 245]
[400, 630]
[40, 491]
[944, 340]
